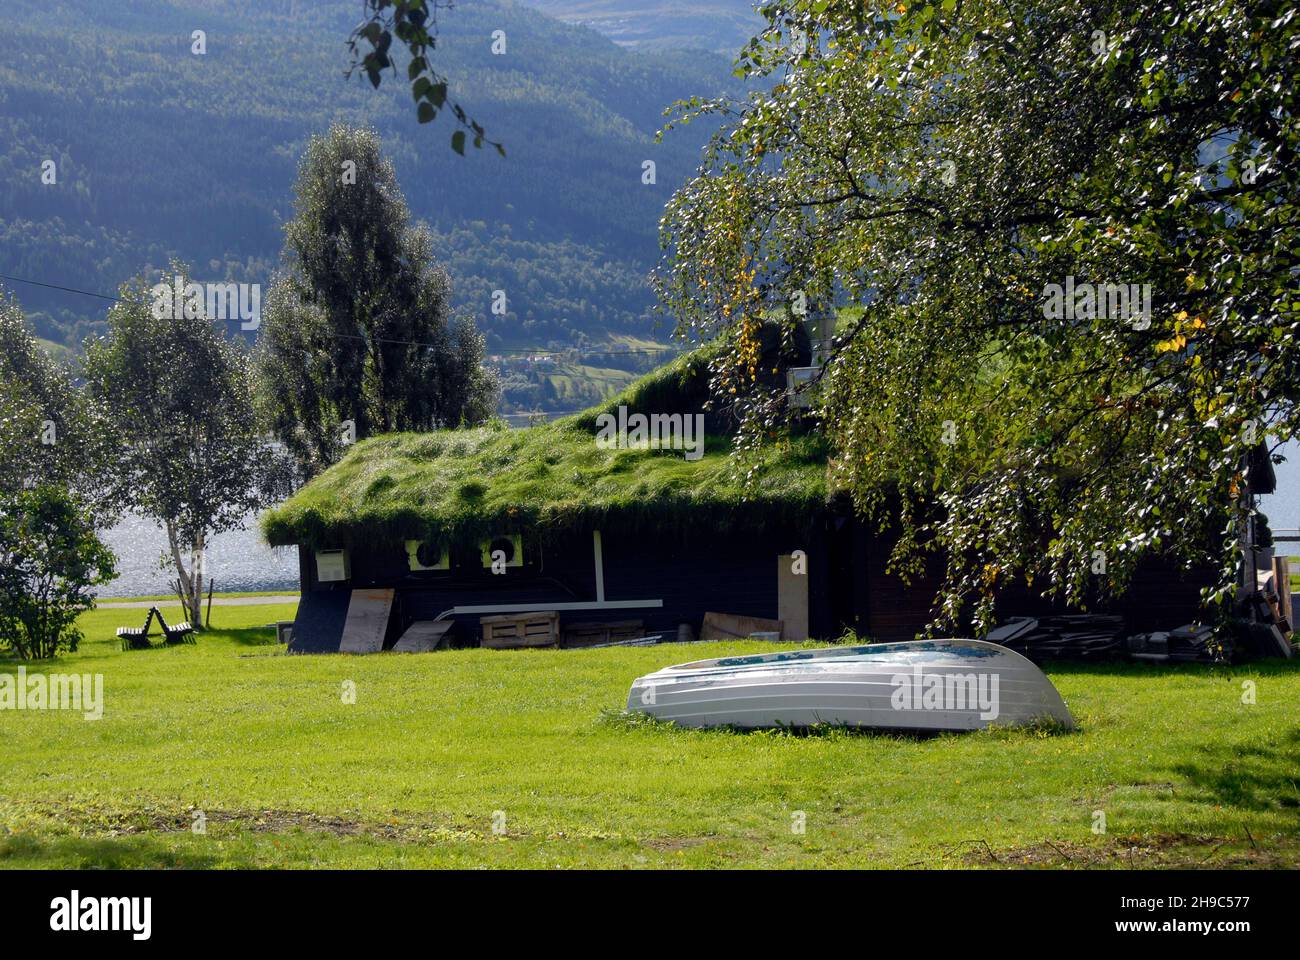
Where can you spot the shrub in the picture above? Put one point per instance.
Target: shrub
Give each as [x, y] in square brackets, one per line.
[50, 558]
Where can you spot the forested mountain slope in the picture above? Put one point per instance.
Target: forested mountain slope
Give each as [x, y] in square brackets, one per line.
[162, 152]
[720, 25]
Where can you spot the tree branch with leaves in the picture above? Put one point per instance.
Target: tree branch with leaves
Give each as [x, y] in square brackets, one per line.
[923, 176]
[414, 25]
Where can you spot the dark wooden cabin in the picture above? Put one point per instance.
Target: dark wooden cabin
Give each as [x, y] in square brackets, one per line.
[398, 534]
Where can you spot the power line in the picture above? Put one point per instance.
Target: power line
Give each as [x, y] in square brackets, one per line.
[55, 286]
[541, 413]
[639, 351]
[586, 352]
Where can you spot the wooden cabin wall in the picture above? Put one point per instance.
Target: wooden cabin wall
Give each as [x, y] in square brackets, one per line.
[1162, 595]
[727, 573]
[732, 573]
[736, 573]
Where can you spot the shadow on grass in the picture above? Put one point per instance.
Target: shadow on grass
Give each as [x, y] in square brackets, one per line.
[1256, 777]
[1272, 667]
[244, 637]
[118, 853]
[630, 720]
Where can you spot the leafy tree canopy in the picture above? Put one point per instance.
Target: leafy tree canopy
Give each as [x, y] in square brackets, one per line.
[52, 456]
[358, 337]
[179, 397]
[929, 179]
[53, 436]
[50, 559]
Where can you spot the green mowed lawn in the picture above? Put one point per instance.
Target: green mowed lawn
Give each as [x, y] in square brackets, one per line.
[519, 759]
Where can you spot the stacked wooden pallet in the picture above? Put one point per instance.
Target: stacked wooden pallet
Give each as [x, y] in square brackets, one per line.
[514, 630]
[597, 634]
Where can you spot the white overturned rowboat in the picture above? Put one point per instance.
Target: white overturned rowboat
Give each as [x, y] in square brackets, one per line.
[925, 685]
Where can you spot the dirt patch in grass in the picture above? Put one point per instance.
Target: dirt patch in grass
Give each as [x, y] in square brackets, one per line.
[673, 844]
[1175, 850]
[153, 819]
[98, 823]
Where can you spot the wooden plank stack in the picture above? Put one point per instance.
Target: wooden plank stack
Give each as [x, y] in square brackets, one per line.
[1066, 636]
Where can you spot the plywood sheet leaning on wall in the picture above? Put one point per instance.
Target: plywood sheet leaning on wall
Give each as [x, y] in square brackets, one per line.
[423, 636]
[367, 621]
[1282, 586]
[792, 596]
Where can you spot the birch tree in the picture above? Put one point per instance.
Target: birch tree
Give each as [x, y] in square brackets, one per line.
[178, 394]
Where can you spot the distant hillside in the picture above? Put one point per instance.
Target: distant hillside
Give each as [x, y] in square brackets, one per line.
[722, 26]
[161, 153]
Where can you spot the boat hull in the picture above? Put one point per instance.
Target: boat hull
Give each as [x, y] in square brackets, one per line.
[926, 685]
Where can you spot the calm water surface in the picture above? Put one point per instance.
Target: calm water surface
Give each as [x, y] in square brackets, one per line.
[238, 560]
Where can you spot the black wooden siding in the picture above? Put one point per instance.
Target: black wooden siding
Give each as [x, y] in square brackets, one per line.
[730, 574]
[848, 584]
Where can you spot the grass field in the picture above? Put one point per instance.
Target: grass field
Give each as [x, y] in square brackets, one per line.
[438, 749]
[579, 385]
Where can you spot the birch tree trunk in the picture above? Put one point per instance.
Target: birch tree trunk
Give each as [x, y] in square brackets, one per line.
[191, 579]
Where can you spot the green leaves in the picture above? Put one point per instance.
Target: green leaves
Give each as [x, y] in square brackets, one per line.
[409, 22]
[1071, 433]
[359, 339]
[50, 559]
[434, 94]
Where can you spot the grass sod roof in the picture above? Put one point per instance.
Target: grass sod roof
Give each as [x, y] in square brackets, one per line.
[463, 484]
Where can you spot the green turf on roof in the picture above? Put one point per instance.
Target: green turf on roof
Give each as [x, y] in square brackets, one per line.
[463, 484]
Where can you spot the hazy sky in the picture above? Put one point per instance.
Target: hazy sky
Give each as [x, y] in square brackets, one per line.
[1283, 507]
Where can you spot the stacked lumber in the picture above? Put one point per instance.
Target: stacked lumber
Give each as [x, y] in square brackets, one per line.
[1190, 643]
[1065, 637]
[732, 626]
[1264, 628]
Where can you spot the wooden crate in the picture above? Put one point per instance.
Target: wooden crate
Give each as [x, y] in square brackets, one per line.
[589, 634]
[514, 630]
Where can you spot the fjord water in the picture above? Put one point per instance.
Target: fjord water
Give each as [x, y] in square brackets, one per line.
[237, 561]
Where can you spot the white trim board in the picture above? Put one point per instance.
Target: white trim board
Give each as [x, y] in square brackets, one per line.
[537, 607]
